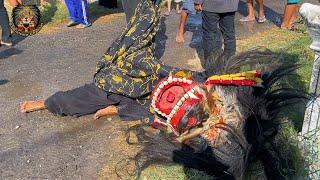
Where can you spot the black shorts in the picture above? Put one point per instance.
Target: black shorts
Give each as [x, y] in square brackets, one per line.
[89, 98]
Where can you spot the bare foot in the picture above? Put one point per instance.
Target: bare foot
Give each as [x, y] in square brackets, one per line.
[30, 106]
[110, 110]
[179, 38]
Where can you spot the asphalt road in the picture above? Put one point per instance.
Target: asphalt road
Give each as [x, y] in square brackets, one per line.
[43, 146]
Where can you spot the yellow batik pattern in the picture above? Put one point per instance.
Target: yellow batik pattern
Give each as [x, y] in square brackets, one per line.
[128, 67]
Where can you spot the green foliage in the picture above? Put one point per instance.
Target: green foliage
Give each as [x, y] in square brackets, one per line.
[54, 11]
[287, 143]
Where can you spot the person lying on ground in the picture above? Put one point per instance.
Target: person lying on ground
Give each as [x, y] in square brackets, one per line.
[124, 77]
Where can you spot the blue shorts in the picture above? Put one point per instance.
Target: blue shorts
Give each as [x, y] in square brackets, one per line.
[188, 6]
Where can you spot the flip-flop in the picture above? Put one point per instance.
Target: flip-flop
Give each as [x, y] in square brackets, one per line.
[8, 44]
[262, 19]
[246, 19]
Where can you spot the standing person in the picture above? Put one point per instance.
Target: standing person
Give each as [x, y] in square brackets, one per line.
[290, 14]
[79, 13]
[187, 8]
[250, 9]
[169, 6]
[217, 13]
[4, 23]
[129, 7]
[178, 8]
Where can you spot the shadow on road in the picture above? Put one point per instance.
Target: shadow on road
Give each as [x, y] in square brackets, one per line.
[3, 81]
[97, 11]
[9, 52]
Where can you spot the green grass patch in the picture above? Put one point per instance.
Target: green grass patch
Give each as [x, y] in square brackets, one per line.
[54, 12]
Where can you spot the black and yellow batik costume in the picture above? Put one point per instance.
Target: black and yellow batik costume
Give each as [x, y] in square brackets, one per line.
[126, 74]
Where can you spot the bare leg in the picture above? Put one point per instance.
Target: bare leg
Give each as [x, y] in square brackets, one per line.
[183, 20]
[250, 9]
[30, 106]
[110, 110]
[294, 16]
[169, 7]
[261, 8]
[288, 13]
[178, 9]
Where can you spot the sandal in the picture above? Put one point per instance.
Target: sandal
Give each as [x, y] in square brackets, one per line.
[262, 19]
[6, 43]
[247, 19]
[294, 28]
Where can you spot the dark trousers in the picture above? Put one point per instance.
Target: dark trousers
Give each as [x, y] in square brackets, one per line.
[88, 99]
[215, 24]
[4, 22]
[129, 7]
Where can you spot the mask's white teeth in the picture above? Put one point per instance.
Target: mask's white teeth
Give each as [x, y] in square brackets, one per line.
[184, 80]
[170, 79]
[186, 96]
[179, 79]
[193, 90]
[157, 92]
[175, 79]
[161, 86]
[165, 82]
[179, 103]
[193, 96]
[189, 81]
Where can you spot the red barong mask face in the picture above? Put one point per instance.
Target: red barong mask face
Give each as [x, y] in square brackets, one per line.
[185, 105]
[178, 101]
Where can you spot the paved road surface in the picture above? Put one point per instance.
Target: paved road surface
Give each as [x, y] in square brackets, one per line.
[40, 145]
